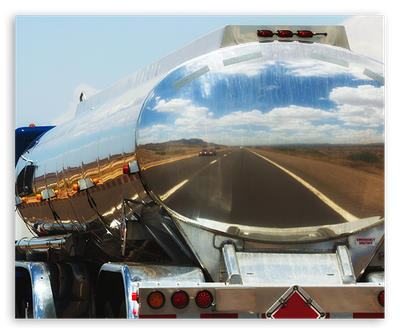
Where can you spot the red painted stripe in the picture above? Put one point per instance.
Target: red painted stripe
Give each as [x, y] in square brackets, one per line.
[119, 181]
[218, 315]
[165, 316]
[113, 183]
[368, 315]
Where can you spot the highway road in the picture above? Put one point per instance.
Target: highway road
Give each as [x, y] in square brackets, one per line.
[241, 186]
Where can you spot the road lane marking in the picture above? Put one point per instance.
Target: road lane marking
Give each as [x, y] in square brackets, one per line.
[167, 161]
[213, 162]
[173, 190]
[325, 199]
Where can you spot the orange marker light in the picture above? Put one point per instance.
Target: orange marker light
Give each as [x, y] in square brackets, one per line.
[156, 300]
[57, 192]
[38, 197]
[75, 187]
[95, 181]
[32, 125]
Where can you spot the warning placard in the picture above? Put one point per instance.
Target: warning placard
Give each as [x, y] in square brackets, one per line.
[365, 241]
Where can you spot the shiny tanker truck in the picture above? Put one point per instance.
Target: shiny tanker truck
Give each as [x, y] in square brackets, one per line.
[240, 176]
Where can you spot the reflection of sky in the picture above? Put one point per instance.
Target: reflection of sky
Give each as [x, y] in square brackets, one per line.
[270, 103]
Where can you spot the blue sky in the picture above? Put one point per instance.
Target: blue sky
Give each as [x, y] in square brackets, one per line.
[56, 57]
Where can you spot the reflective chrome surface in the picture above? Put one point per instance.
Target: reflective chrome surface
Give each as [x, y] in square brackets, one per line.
[282, 118]
[289, 123]
[82, 161]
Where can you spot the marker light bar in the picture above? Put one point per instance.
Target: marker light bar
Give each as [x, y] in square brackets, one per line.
[289, 33]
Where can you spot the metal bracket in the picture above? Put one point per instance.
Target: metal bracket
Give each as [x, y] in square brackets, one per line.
[85, 184]
[345, 265]
[27, 160]
[231, 264]
[123, 222]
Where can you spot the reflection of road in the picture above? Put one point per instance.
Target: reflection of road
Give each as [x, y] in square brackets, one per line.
[238, 187]
[358, 192]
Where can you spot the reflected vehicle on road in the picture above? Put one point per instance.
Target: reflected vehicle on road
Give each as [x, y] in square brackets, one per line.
[208, 152]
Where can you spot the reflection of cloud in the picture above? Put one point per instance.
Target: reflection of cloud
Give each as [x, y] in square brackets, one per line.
[153, 130]
[361, 106]
[195, 125]
[316, 68]
[291, 117]
[182, 107]
[247, 69]
[342, 135]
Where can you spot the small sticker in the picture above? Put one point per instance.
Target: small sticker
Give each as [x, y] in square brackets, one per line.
[374, 76]
[245, 57]
[190, 77]
[332, 60]
[365, 241]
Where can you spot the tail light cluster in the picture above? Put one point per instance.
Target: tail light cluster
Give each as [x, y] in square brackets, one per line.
[381, 298]
[180, 299]
[289, 33]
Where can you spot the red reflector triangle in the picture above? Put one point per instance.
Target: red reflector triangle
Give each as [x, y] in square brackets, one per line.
[296, 307]
[295, 303]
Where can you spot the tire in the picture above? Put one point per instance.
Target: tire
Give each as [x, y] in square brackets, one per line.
[108, 311]
[122, 311]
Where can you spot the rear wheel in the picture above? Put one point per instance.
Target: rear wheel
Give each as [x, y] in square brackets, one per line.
[122, 311]
[108, 310]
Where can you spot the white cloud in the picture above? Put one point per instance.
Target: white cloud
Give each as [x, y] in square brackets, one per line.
[309, 68]
[361, 106]
[70, 113]
[279, 119]
[366, 35]
[155, 129]
[356, 136]
[181, 106]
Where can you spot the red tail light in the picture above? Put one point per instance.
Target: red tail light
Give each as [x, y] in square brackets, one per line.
[304, 33]
[264, 33]
[204, 299]
[381, 298]
[285, 33]
[180, 299]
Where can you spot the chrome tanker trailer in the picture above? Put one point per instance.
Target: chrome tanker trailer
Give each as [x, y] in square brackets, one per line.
[238, 177]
